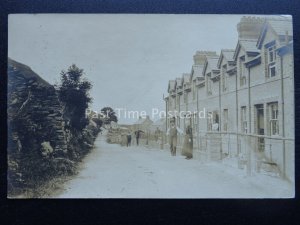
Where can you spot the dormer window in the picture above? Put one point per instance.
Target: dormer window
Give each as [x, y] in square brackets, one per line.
[270, 59]
[208, 81]
[272, 54]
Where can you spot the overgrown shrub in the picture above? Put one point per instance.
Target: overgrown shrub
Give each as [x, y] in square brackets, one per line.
[73, 92]
[47, 136]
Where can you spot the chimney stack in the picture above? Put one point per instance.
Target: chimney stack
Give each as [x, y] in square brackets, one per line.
[199, 57]
[249, 27]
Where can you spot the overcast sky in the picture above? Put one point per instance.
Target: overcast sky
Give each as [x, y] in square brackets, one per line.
[129, 58]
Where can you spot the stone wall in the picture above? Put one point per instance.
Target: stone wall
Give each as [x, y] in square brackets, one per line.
[33, 111]
[42, 145]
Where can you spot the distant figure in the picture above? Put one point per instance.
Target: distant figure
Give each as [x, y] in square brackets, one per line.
[138, 135]
[172, 132]
[132, 138]
[128, 139]
[123, 139]
[187, 149]
[156, 134]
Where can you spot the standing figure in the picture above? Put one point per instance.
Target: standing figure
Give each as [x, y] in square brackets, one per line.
[138, 135]
[187, 149]
[128, 139]
[156, 134]
[132, 138]
[172, 132]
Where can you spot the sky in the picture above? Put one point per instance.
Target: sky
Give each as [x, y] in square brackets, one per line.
[129, 58]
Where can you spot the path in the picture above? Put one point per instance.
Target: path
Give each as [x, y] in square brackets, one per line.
[112, 171]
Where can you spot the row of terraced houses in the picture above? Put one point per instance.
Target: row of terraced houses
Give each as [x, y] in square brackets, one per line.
[240, 103]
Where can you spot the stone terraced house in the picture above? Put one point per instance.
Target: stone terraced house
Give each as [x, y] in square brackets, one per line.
[241, 103]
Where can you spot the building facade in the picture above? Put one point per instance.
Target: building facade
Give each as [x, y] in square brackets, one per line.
[240, 103]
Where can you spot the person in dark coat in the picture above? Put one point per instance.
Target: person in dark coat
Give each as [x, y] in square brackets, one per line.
[187, 149]
[128, 139]
[138, 135]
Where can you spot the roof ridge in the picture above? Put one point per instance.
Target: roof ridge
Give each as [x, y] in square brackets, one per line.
[287, 19]
[227, 50]
[250, 39]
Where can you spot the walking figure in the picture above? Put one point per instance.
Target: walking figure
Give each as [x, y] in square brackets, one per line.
[172, 132]
[138, 135]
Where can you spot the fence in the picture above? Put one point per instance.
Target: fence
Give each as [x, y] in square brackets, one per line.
[250, 152]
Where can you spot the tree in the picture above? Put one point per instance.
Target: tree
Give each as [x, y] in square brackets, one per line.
[109, 115]
[74, 94]
[98, 121]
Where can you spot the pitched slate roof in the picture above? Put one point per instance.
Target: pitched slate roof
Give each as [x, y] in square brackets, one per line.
[249, 45]
[198, 69]
[171, 85]
[186, 77]
[213, 62]
[281, 26]
[178, 81]
[227, 54]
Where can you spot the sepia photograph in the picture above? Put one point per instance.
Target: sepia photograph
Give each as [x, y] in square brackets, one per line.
[150, 106]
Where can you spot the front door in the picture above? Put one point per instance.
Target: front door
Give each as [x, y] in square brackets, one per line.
[260, 126]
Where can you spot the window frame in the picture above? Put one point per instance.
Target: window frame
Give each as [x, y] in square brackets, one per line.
[271, 67]
[273, 121]
[272, 51]
[271, 58]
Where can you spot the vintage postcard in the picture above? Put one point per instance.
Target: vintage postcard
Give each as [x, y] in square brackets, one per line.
[150, 106]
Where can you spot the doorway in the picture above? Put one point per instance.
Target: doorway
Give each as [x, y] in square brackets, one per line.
[260, 126]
